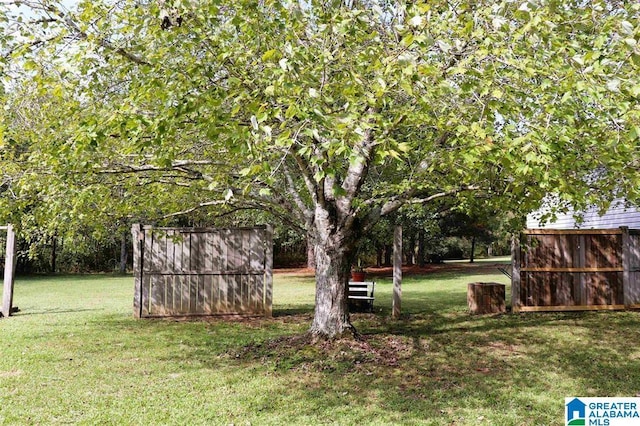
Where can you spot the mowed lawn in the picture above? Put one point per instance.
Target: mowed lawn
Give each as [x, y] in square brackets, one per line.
[75, 355]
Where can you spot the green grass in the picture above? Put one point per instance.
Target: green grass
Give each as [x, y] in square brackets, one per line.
[75, 355]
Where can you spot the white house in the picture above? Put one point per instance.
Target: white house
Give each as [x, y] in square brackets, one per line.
[619, 214]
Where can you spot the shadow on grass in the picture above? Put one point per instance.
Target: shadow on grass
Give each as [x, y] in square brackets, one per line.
[440, 363]
[55, 311]
[489, 366]
[435, 365]
[298, 310]
[431, 366]
[23, 279]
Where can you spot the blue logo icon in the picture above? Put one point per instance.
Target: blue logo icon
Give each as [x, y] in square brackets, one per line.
[576, 412]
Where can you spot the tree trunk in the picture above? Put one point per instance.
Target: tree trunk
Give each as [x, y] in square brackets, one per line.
[379, 255]
[54, 253]
[388, 250]
[333, 269]
[421, 249]
[311, 254]
[335, 252]
[410, 253]
[473, 249]
[124, 254]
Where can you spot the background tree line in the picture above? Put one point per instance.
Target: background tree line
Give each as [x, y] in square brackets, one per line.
[432, 239]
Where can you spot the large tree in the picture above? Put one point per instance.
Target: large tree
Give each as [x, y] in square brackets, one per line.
[332, 114]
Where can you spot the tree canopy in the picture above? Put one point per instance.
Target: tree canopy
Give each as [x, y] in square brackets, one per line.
[327, 114]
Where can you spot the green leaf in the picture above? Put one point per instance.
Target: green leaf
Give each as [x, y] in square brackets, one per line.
[407, 40]
[406, 86]
[268, 55]
[404, 147]
[291, 111]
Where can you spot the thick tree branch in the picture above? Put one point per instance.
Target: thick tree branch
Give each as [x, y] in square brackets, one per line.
[357, 172]
[166, 182]
[177, 166]
[194, 208]
[297, 199]
[260, 205]
[415, 197]
[34, 43]
[309, 181]
[409, 197]
[278, 200]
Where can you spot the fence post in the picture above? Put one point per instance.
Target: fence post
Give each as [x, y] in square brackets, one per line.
[515, 273]
[268, 272]
[582, 279]
[626, 266]
[9, 272]
[137, 234]
[397, 271]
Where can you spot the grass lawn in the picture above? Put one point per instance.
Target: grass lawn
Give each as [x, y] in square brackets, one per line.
[75, 355]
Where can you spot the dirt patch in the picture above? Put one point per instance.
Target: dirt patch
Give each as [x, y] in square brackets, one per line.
[294, 271]
[387, 271]
[301, 352]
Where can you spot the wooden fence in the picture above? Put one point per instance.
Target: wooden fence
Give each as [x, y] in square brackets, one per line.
[3, 247]
[557, 270]
[206, 271]
[8, 261]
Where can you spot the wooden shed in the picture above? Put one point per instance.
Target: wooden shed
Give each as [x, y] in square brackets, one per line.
[202, 271]
[576, 269]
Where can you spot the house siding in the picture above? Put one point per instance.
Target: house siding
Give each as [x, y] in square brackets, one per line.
[618, 215]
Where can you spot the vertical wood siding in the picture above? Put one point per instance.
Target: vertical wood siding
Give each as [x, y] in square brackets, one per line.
[183, 272]
[576, 270]
[632, 291]
[8, 253]
[3, 248]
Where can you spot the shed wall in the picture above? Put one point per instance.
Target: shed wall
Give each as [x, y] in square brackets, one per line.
[619, 214]
[181, 272]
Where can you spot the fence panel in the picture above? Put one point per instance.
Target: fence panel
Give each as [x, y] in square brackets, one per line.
[571, 270]
[182, 272]
[3, 250]
[8, 254]
[633, 291]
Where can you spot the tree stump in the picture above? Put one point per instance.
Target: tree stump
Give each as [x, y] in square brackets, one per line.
[486, 298]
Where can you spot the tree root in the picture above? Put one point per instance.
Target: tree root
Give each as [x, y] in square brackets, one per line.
[349, 332]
